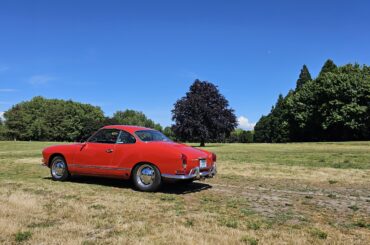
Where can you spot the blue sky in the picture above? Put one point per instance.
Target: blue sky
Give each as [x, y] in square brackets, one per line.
[144, 55]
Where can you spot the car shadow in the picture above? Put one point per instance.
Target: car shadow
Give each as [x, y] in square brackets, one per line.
[176, 188]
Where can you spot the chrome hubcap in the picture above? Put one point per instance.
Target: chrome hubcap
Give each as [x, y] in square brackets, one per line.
[145, 175]
[58, 169]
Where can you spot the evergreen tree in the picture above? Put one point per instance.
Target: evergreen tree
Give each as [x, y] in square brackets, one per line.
[304, 77]
[328, 66]
[333, 107]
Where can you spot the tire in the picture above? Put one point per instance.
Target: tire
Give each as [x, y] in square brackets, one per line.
[146, 177]
[59, 169]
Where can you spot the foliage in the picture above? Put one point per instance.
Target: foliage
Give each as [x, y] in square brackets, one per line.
[132, 117]
[329, 66]
[203, 114]
[304, 77]
[60, 120]
[169, 133]
[334, 106]
[52, 119]
[274, 127]
[2, 130]
[241, 136]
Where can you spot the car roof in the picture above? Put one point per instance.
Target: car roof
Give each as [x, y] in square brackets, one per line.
[128, 128]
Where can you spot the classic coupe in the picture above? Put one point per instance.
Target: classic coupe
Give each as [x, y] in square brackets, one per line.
[144, 155]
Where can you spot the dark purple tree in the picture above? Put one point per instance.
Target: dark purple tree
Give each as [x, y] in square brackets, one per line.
[203, 114]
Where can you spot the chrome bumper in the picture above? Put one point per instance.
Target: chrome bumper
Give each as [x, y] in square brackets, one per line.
[194, 173]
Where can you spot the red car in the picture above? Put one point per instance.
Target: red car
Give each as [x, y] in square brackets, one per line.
[144, 155]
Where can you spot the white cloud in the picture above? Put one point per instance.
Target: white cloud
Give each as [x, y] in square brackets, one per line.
[245, 124]
[7, 90]
[2, 115]
[40, 79]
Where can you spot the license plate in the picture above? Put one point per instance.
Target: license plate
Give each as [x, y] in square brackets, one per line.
[202, 163]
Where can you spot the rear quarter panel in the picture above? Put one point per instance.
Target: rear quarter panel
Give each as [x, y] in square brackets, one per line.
[167, 160]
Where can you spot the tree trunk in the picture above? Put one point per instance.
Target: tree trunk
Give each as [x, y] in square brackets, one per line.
[202, 143]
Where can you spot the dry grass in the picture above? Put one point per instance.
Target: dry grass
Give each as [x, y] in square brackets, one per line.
[264, 194]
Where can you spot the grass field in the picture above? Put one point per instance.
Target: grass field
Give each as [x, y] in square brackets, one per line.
[309, 193]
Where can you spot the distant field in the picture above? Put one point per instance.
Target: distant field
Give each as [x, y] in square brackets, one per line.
[307, 193]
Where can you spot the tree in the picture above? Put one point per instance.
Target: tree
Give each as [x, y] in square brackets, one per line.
[132, 117]
[235, 136]
[249, 135]
[246, 137]
[262, 130]
[2, 130]
[304, 77]
[52, 120]
[328, 66]
[169, 133]
[333, 107]
[240, 136]
[203, 114]
[275, 126]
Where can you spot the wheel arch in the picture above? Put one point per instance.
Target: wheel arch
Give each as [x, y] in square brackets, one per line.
[52, 156]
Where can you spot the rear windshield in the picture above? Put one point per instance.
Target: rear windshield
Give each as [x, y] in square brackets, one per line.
[151, 135]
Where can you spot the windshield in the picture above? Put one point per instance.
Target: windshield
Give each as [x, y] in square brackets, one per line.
[151, 135]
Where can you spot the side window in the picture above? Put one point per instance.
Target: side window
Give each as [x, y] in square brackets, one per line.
[107, 136]
[126, 138]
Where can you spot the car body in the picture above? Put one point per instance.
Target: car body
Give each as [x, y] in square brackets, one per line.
[130, 152]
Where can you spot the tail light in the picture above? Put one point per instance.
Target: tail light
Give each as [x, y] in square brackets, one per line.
[184, 161]
[214, 157]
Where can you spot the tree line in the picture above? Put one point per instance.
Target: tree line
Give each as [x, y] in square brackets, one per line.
[60, 120]
[42, 119]
[335, 106]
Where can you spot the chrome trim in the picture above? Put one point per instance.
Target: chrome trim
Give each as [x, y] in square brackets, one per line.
[194, 173]
[145, 175]
[98, 167]
[58, 168]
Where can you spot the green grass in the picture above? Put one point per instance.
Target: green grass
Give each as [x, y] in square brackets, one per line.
[22, 236]
[304, 193]
[319, 233]
[249, 240]
[333, 155]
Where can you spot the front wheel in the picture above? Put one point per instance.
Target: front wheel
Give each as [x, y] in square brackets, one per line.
[59, 169]
[146, 177]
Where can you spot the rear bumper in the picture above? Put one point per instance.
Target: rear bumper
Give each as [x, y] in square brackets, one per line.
[194, 173]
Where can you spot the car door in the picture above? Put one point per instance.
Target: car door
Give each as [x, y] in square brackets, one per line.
[96, 155]
[126, 154]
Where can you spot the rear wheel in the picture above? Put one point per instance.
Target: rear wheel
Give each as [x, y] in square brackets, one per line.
[146, 177]
[59, 169]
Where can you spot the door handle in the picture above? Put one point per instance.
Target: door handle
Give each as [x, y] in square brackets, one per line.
[109, 151]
